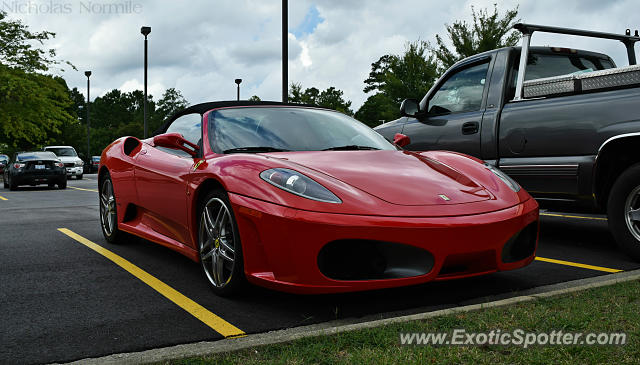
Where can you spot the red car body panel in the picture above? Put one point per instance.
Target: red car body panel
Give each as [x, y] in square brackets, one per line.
[391, 196]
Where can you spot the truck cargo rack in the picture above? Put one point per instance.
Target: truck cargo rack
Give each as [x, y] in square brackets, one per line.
[568, 82]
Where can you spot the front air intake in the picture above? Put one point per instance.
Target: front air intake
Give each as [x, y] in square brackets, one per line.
[371, 260]
[521, 245]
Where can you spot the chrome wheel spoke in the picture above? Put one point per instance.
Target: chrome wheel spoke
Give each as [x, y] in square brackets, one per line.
[207, 255]
[218, 225]
[214, 269]
[207, 242]
[220, 270]
[209, 225]
[226, 245]
[225, 256]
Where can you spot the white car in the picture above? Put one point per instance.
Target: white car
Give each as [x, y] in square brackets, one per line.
[69, 157]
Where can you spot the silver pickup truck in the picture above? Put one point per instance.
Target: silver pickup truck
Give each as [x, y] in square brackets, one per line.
[565, 124]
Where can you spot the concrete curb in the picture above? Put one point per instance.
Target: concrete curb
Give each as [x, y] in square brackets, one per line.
[333, 327]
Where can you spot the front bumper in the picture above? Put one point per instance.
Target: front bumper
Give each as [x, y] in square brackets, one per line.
[74, 171]
[281, 246]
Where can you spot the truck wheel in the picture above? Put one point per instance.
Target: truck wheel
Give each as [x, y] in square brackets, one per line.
[623, 211]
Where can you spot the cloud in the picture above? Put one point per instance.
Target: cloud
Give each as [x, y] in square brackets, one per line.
[201, 46]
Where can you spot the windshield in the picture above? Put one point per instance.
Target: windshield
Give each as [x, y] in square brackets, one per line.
[4, 158]
[63, 151]
[289, 129]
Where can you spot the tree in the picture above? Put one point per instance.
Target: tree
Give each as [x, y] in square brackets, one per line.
[255, 98]
[487, 32]
[399, 77]
[395, 78]
[376, 109]
[33, 106]
[170, 103]
[331, 98]
[17, 50]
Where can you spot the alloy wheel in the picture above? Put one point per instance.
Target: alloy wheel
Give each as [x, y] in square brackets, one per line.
[107, 207]
[632, 212]
[217, 243]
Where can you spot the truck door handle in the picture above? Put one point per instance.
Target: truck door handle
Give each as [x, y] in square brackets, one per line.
[470, 127]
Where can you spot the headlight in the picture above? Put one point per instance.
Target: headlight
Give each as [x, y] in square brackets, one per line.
[79, 163]
[298, 184]
[504, 177]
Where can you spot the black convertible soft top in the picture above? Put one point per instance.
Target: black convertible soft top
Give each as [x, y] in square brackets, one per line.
[205, 107]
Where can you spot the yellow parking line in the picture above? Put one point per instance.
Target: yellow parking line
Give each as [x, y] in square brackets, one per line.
[216, 323]
[575, 264]
[73, 187]
[3, 198]
[573, 216]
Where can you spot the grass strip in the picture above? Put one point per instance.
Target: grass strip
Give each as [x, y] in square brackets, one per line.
[614, 308]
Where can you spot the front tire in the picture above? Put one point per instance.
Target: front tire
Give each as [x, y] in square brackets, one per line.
[79, 177]
[623, 211]
[108, 210]
[219, 244]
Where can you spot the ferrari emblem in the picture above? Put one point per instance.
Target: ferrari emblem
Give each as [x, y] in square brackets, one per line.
[444, 197]
[217, 242]
[197, 164]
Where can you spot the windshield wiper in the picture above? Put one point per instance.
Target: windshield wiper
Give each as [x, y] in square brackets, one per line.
[351, 147]
[254, 150]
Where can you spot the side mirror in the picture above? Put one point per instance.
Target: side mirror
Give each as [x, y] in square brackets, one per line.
[410, 108]
[401, 139]
[177, 142]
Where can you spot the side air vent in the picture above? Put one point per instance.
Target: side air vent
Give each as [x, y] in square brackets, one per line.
[131, 145]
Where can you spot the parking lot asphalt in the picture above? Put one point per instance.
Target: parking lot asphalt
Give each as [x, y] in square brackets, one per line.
[62, 300]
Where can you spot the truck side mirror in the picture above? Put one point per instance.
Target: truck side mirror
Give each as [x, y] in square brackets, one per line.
[410, 108]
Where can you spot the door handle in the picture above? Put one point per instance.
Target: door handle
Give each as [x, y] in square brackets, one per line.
[470, 127]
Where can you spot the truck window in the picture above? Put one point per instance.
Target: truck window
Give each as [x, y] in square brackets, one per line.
[541, 65]
[461, 92]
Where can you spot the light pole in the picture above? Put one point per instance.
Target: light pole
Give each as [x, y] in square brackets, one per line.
[87, 74]
[285, 42]
[145, 31]
[238, 81]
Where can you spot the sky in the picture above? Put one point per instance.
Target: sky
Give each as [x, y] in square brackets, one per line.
[200, 47]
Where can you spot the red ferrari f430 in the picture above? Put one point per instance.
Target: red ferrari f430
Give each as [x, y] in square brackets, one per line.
[308, 200]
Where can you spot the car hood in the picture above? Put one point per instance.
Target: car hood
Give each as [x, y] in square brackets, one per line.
[398, 177]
